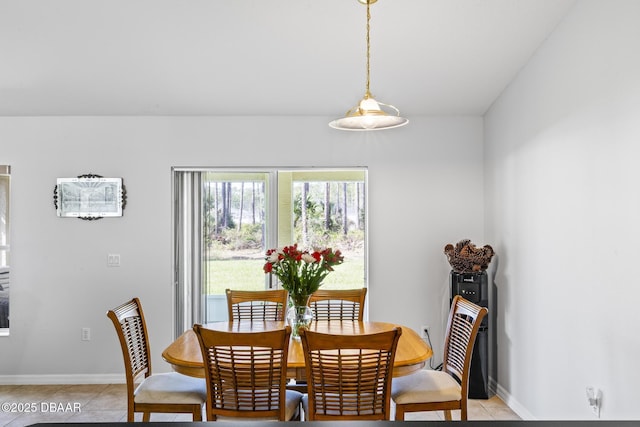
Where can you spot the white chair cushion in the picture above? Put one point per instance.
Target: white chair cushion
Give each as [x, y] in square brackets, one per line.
[292, 406]
[425, 386]
[171, 387]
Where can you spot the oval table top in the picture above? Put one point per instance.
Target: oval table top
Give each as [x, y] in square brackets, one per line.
[184, 354]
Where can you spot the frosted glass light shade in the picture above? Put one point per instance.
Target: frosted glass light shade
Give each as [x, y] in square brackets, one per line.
[368, 115]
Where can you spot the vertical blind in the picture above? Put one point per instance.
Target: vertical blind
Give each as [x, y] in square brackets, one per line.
[188, 246]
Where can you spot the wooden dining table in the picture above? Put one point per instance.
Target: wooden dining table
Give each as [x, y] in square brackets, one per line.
[185, 356]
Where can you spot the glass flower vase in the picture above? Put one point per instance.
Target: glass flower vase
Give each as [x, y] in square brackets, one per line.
[299, 317]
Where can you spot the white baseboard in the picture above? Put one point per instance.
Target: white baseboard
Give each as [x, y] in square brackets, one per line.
[510, 401]
[493, 386]
[63, 379]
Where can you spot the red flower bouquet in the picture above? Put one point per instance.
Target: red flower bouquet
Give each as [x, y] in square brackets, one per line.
[301, 272]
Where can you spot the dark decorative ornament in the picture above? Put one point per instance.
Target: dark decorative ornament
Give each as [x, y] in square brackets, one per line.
[465, 257]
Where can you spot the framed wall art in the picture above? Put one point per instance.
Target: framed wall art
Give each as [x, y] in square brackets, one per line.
[89, 197]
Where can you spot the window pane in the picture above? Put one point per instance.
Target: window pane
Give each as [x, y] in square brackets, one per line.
[333, 215]
[234, 230]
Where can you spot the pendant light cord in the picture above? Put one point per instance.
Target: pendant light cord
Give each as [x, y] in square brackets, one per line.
[367, 93]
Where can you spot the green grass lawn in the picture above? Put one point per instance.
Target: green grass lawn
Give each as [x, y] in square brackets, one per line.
[247, 274]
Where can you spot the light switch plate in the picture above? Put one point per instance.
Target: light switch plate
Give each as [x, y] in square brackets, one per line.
[113, 260]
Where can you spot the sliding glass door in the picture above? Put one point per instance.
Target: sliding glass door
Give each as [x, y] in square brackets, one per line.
[225, 220]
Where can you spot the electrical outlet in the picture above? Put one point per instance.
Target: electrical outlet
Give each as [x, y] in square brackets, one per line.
[86, 334]
[594, 398]
[424, 332]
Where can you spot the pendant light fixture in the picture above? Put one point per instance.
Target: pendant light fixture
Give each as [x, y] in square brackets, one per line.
[368, 114]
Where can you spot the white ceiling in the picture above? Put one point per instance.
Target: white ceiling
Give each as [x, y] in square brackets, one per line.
[263, 57]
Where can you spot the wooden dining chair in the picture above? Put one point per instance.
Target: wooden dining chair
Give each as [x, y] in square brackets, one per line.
[348, 376]
[269, 304]
[338, 304]
[446, 390]
[147, 393]
[334, 304]
[246, 374]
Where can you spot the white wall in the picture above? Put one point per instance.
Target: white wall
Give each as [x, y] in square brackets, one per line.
[562, 145]
[425, 190]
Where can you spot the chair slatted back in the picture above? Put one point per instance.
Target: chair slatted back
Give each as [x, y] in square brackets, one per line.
[338, 304]
[349, 376]
[131, 328]
[462, 328]
[257, 305]
[245, 372]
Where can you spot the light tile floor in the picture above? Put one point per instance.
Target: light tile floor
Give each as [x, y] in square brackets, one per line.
[478, 409]
[22, 405]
